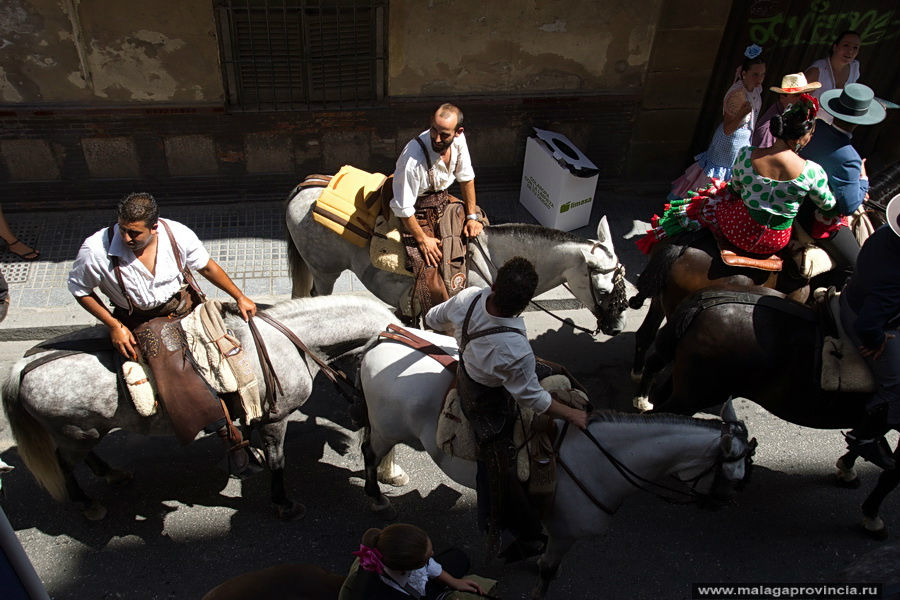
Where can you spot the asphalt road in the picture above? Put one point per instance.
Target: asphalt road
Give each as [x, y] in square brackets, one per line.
[182, 526]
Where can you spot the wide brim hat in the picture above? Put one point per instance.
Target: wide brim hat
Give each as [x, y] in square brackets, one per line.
[892, 212]
[854, 104]
[795, 83]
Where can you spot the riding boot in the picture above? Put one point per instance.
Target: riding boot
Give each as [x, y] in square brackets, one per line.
[867, 439]
[237, 456]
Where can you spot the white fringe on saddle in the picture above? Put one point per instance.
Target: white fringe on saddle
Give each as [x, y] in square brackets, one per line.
[843, 368]
[810, 258]
[141, 386]
[219, 359]
[455, 436]
[386, 247]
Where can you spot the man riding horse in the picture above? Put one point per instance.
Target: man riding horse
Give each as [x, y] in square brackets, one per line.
[497, 367]
[146, 276]
[428, 165]
[870, 311]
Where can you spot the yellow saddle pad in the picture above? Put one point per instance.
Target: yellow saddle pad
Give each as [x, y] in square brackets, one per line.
[349, 204]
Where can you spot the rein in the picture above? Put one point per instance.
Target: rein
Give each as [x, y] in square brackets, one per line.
[619, 298]
[337, 377]
[642, 483]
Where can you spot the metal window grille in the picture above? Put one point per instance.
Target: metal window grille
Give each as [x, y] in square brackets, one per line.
[302, 54]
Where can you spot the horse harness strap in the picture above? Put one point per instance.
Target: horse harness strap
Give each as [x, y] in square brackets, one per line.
[427, 162]
[601, 505]
[265, 365]
[337, 377]
[399, 334]
[705, 300]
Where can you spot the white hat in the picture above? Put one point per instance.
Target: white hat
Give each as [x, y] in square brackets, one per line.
[892, 212]
[795, 83]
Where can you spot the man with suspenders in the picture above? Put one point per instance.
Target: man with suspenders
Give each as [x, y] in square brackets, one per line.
[146, 275]
[428, 165]
[497, 369]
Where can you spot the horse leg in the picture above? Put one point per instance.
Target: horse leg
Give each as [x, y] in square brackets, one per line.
[379, 502]
[548, 564]
[272, 435]
[323, 284]
[100, 468]
[872, 523]
[847, 475]
[92, 509]
[390, 473]
[644, 337]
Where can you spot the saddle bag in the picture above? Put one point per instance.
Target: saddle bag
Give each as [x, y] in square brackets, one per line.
[350, 203]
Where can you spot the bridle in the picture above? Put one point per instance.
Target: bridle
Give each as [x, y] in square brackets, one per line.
[669, 494]
[617, 299]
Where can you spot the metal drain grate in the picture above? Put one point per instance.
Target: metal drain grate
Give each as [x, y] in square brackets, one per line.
[15, 272]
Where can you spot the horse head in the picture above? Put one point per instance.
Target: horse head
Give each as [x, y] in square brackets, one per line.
[733, 464]
[605, 282]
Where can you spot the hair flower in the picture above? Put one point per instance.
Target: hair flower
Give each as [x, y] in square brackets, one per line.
[752, 51]
[370, 559]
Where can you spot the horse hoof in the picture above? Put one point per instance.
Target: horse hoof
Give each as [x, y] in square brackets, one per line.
[398, 480]
[118, 478]
[874, 528]
[848, 484]
[642, 403]
[94, 511]
[291, 511]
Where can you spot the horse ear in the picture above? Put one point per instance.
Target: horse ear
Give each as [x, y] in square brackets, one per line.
[603, 230]
[728, 415]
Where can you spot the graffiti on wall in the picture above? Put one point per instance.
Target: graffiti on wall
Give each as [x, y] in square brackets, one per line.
[819, 25]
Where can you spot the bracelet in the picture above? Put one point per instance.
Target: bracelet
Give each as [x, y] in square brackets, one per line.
[472, 217]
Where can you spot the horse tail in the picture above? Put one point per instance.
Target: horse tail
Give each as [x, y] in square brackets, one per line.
[34, 442]
[301, 276]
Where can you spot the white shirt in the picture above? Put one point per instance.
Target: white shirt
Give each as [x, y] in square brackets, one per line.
[412, 178]
[417, 578]
[501, 359]
[93, 267]
[826, 78]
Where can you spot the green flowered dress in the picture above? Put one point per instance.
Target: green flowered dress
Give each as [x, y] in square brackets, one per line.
[752, 212]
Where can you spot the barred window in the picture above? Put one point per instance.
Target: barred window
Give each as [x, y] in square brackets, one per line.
[302, 54]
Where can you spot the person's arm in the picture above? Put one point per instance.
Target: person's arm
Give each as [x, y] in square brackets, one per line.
[219, 278]
[736, 108]
[520, 380]
[848, 186]
[812, 74]
[575, 416]
[819, 192]
[463, 585]
[472, 227]
[438, 316]
[122, 339]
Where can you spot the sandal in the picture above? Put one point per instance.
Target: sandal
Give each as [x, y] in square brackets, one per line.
[32, 254]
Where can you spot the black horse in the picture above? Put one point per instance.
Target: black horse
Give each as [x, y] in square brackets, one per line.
[756, 344]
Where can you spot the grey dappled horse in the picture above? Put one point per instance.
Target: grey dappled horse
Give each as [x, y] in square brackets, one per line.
[63, 408]
[404, 388]
[590, 267]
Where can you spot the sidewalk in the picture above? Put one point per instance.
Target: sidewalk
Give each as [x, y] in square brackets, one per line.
[246, 239]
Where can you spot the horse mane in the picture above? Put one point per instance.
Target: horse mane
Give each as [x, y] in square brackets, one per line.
[295, 306]
[527, 232]
[614, 416]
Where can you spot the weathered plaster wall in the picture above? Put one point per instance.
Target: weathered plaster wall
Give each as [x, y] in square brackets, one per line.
[523, 47]
[101, 52]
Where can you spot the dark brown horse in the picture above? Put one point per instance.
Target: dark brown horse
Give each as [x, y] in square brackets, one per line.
[755, 344]
[686, 264]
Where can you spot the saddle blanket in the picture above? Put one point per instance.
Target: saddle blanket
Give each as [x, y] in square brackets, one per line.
[350, 203]
[455, 436]
[843, 368]
[217, 356]
[386, 248]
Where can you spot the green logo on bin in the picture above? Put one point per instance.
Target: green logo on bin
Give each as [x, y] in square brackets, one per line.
[569, 205]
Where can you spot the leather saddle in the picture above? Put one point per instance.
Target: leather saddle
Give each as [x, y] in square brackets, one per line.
[735, 257]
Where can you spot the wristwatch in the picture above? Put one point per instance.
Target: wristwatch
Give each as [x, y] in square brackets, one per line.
[473, 217]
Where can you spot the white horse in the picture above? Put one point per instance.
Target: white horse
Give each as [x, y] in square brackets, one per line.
[62, 409]
[590, 267]
[404, 389]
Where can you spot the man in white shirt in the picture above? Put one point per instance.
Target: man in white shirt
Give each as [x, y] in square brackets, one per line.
[146, 275]
[496, 367]
[428, 165]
